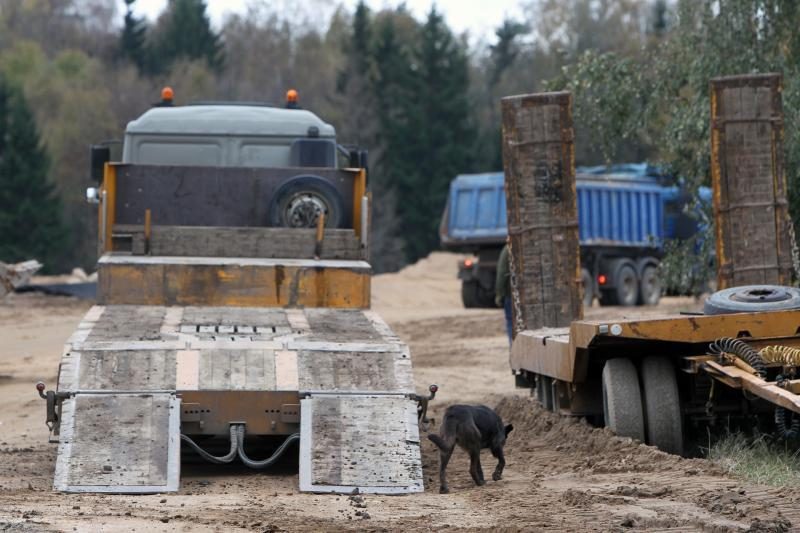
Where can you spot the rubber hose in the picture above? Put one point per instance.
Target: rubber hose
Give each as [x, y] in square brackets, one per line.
[741, 350]
[785, 431]
[227, 458]
[270, 460]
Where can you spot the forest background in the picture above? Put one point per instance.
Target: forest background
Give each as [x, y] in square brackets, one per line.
[424, 100]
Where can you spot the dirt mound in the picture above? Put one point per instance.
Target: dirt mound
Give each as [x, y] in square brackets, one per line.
[430, 284]
[591, 449]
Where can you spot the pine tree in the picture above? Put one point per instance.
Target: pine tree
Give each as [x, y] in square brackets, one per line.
[132, 40]
[440, 134]
[187, 34]
[31, 225]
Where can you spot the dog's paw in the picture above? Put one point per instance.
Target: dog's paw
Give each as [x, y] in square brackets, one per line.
[497, 476]
[444, 490]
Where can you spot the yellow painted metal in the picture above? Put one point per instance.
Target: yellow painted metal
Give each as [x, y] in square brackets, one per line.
[233, 285]
[738, 378]
[108, 192]
[716, 180]
[701, 328]
[359, 191]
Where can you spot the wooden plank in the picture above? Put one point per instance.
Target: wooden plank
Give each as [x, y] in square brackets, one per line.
[538, 158]
[355, 372]
[204, 241]
[341, 325]
[365, 442]
[142, 454]
[749, 181]
[236, 369]
[128, 370]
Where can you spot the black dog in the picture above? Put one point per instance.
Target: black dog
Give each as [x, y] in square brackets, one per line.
[473, 427]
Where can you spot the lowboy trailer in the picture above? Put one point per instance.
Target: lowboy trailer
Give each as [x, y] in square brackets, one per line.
[233, 310]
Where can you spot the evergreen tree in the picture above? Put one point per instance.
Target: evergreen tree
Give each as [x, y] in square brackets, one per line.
[132, 39]
[187, 34]
[31, 224]
[439, 137]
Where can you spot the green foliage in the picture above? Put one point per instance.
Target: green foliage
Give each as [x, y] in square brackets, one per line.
[132, 44]
[30, 211]
[186, 34]
[757, 459]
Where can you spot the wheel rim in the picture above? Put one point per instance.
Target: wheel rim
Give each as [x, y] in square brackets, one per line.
[627, 286]
[304, 209]
[651, 286]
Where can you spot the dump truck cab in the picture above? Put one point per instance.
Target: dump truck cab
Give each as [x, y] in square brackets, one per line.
[233, 311]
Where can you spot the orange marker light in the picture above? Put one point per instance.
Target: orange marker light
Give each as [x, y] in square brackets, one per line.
[291, 95]
[167, 94]
[602, 279]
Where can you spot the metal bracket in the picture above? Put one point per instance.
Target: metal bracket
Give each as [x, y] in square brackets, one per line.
[422, 406]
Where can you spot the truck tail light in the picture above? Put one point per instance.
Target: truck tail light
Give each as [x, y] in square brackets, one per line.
[468, 263]
[602, 279]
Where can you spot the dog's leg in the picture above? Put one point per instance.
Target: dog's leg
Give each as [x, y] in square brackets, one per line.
[475, 467]
[444, 458]
[497, 451]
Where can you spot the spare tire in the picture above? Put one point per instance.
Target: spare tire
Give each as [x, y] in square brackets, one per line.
[299, 202]
[752, 298]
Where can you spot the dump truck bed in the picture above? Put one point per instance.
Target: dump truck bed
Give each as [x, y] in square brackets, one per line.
[135, 378]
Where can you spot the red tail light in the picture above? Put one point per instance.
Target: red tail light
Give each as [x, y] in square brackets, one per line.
[468, 263]
[601, 279]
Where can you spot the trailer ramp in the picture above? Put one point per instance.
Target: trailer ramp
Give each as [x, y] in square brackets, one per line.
[119, 443]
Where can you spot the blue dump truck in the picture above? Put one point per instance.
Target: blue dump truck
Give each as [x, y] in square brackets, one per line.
[625, 214]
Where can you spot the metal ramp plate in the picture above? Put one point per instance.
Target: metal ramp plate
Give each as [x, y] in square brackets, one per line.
[119, 443]
[360, 441]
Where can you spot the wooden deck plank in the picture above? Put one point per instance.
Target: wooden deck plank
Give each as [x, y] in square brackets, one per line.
[365, 442]
[142, 455]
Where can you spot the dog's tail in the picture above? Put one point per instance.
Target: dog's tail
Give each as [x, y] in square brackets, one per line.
[438, 441]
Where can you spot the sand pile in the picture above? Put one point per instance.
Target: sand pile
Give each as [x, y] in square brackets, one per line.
[429, 284]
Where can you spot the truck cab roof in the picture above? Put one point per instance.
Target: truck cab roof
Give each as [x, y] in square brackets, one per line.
[227, 119]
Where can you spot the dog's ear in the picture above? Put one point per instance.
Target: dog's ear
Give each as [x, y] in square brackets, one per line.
[508, 429]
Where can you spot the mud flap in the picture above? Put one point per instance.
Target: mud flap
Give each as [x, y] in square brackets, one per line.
[119, 443]
[364, 442]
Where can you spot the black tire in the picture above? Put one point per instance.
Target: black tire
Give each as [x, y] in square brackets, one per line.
[469, 294]
[485, 298]
[662, 405]
[626, 286]
[622, 400]
[298, 203]
[588, 287]
[649, 286]
[752, 298]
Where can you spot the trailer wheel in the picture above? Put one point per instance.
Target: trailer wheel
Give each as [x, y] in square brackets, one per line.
[469, 294]
[588, 287]
[627, 286]
[662, 405]
[649, 286]
[299, 202]
[622, 400]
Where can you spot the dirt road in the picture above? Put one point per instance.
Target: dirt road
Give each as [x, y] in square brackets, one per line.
[561, 475]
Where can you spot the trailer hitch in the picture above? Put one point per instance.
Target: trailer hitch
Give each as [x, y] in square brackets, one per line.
[53, 399]
[422, 406]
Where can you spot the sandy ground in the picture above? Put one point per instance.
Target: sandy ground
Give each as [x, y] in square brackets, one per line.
[562, 475]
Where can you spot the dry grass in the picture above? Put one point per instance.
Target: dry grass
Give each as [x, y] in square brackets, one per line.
[758, 459]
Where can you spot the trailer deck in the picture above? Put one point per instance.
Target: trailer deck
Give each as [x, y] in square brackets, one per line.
[154, 372]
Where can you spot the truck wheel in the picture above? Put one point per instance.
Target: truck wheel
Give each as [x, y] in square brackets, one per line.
[622, 401]
[299, 202]
[469, 294]
[627, 286]
[752, 298]
[662, 405]
[649, 286]
[588, 287]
